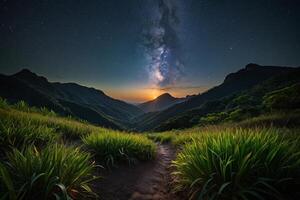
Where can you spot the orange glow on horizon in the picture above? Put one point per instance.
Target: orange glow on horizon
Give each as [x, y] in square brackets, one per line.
[135, 95]
[140, 95]
[154, 93]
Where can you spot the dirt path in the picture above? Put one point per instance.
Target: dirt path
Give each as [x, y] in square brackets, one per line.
[144, 181]
[154, 184]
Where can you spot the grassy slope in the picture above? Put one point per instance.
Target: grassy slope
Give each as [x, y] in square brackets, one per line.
[241, 105]
[67, 99]
[187, 114]
[211, 162]
[240, 164]
[247, 160]
[38, 146]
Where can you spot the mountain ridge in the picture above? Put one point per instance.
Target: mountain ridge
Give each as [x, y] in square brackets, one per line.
[67, 99]
[245, 78]
[162, 113]
[161, 102]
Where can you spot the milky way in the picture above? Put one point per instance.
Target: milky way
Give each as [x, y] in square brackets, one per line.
[162, 45]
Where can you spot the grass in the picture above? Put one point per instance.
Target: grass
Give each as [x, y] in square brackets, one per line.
[228, 161]
[239, 164]
[29, 126]
[180, 137]
[162, 138]
[279, 119]
[23, 106]
[54, 172]
[64, 127]
[112, 148]
[19, 133]
[35, 164]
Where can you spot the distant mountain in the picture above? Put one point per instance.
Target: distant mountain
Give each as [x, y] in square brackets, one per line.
[162, 102]
[241, 90]
[179, 114]
[67, 99]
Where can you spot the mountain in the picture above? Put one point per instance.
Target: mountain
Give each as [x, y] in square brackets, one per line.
[162, 102]
[241, 92]
[67, 99]
[179, 114]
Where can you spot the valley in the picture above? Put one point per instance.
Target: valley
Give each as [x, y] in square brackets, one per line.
[149, 100]
[220, 155]
[241, 92]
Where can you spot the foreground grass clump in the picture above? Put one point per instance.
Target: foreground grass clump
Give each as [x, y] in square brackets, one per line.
[54, 172]
[18, 133]
[240, 164]
[115, 147]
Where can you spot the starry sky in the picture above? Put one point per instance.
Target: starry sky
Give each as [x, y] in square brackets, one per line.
[135, 50]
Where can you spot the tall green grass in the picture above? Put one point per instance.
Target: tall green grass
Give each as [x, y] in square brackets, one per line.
[64, 127]
[19, 133]
[54, 172]
[239, 164]
[3, 103]
[23, 106]
[112, 148]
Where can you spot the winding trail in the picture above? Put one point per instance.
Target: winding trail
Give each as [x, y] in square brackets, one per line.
[155, 183]
[144, 181]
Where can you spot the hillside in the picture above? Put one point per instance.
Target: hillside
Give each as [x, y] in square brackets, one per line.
[40, 149]
[189, 112]
[162, 102]
[67, 99]
[241, 92]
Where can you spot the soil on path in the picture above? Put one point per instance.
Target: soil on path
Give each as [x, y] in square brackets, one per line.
[144, 181]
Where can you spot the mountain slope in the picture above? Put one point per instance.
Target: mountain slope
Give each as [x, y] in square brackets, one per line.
[67, 99]
[162, 102]
[234, 83]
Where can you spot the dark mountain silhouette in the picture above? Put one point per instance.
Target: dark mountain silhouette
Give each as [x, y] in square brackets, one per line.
[67, 99]
[234, 83]
[162, 102]
[163, 113]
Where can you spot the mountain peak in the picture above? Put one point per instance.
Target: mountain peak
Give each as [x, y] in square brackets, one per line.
[251, 66]
[25, 71]
[254, 73]
[165, 96]
[27, 75]
[162, 102]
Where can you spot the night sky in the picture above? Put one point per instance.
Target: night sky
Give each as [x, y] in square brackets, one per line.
[137, 49]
